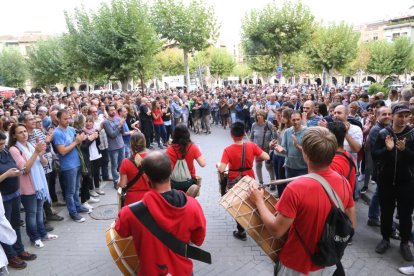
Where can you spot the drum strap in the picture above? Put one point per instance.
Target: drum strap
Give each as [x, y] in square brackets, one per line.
[135, 179]
[181, 248]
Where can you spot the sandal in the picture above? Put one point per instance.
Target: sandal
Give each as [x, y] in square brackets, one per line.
[50, 237]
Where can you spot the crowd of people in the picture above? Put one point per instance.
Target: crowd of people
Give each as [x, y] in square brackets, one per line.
[82, 139]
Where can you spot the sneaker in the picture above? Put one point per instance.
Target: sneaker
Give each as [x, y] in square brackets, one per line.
[99, 191]
[48, 227]
[50, 237]
[407, 270]
[273, 188]
[17, 263]
[239, 236]
[93, 200]
[54, 217]
[38, 244]
[77, 218]
[85, 208]
[363, 190]
[93, 193]
[361, 177]
[406, 252]
[373, 222]
[382, 247]
[26, 256]
[350, 241]
[395, 235]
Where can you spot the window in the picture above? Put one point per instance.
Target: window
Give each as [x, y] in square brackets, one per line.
[395, 36]
[375, 38]
[404, 34]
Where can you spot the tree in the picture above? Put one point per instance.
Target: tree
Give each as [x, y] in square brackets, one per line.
[263, 65]
[170, 62]
[190, 27]
[242, 71]
[13, 70]
[221, 63]
[381, 61]
[47, 65]
[274, 32]
[333, 47]
[403, 55]
[118, 40]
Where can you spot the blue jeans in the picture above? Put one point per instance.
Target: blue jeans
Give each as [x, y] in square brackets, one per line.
[160, 134]
[33, 207]
[127, 149]
[12, 214]
[278, 162]
[72, 183]
[295, 172]
[374, 208]
[116, 157]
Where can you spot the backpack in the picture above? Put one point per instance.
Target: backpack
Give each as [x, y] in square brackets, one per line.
[337, 231]
[180, 177]
[351, 163]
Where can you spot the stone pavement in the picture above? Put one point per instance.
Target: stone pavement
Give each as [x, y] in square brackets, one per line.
[81, 248]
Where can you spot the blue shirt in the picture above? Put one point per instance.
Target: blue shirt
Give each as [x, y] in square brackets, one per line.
[126, 138]
[294, 157]
[46, 122]
[66, 137]
[270, 113]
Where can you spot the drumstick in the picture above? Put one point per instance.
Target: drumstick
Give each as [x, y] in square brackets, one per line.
[280, 182]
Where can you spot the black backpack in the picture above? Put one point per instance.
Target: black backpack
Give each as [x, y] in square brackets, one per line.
[338, 230]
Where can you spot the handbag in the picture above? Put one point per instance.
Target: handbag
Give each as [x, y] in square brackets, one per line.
[179, 247]
[132, 182]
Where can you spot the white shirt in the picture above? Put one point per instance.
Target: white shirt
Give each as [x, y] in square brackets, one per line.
[356, 133]
[7, 234]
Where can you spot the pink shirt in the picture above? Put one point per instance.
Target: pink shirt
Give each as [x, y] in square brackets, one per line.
[26, 185]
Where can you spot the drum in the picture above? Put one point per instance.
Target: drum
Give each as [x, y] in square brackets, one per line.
[122, 251]
[236, 201]
[119, 195]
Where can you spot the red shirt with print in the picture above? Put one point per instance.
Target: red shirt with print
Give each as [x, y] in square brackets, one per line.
[232, 156]
[137, 191]
[305, 201]
[193, 152]
[341, 165]
[186, 223]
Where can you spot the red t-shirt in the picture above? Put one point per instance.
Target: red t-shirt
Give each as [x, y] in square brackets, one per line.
[232, 156]
[307, 203]
[193, 152]
[137, 191]
[158, 121]
[186, 223]
[341, 165]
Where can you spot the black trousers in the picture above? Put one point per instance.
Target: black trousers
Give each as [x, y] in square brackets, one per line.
[104, 162]
[86, 185]
[146, 128]
[402, 196]
[95, 165]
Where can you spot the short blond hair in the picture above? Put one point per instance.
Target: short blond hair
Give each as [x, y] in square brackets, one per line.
[319, 145]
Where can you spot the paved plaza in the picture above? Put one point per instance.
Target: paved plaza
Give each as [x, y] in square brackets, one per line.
[81, 248]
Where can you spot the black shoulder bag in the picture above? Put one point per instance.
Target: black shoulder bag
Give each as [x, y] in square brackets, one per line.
[351, 163]
[132, 182]
[179, 247]
[231, 183]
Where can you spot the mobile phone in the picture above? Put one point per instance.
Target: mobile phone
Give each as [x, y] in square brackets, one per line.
[275, 123]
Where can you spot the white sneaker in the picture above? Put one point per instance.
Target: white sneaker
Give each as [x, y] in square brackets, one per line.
[87, 206]
[93, 200]
[361, 177]
[407, 270]
[38, 244]
[99, 191]
[93, 193]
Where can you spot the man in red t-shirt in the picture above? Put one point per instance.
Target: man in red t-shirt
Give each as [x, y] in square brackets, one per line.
[173, 211]
[232, 156]
[305, 203]
[342, 162]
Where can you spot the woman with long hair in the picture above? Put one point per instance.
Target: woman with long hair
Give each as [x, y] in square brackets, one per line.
[166, 117]
[279, 159]
[160, 133]
[33, 184]
[183, 148]
[130, 167]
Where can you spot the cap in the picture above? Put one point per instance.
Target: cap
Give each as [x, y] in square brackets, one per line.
[400, 108]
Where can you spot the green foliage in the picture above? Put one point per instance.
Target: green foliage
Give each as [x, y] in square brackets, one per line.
[13, 70]
[273, 32]
[263, 65]
[403, 55]
[170, 62]
[381, 61]
[333, 47]
[118, 40]
[46, 63]
[242, 71]
[297, 63]
[375, 88]
[222, 63]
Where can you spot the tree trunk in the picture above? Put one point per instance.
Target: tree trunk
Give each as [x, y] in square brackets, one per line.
[142, 84]
[279, 63]
[186, 70]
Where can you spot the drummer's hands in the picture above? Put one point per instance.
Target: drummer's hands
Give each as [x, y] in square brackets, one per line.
[255, 194]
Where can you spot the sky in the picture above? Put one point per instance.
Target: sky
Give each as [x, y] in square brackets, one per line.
[18, 16]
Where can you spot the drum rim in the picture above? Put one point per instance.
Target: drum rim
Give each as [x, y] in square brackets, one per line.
[118, 251]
